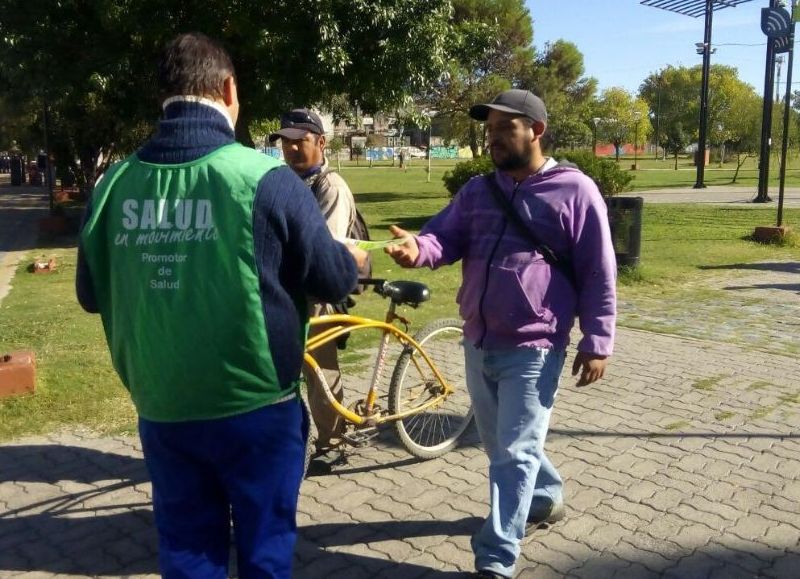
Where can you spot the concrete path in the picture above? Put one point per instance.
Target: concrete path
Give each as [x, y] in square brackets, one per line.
[719, 195]
[20, 211]
[684, 462]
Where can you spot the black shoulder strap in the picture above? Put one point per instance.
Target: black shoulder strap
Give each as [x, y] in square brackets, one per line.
[561, 263]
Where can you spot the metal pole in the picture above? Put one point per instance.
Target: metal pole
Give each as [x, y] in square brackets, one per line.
[47, 170]
[785, 141]
[658, 114]
[701, 143]
[430, 125]
[766, 121]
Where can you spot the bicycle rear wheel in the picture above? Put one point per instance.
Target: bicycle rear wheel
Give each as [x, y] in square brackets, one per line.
[434, 431]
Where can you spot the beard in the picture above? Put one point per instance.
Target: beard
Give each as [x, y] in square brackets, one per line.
[506, 160]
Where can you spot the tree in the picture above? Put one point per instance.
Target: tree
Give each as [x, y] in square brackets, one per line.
[557, 77]
[673, 95]
[93, 62]
[675, 140]
[490, 48]
[623, 118]
[742, 126]
[261, 129]
[335, 146]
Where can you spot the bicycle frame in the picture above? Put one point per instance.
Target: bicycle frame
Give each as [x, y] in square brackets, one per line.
[344, 324]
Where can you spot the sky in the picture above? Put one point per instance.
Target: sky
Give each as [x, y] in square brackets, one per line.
[622, 41]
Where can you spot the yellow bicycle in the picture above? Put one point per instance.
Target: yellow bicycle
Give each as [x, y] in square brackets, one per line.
[427, 400]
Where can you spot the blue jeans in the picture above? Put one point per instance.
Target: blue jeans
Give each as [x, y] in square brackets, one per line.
[512, 392]
[247, 468]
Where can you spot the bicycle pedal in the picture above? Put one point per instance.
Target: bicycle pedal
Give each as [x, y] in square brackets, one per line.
[361, 437]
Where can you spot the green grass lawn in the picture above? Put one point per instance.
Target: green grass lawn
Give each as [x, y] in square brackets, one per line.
[76, 384]
[652, 173]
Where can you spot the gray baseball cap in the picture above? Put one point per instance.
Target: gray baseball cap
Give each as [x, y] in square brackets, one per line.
[515, 101]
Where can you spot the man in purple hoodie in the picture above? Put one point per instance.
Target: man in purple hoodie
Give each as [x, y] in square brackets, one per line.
[518, 309]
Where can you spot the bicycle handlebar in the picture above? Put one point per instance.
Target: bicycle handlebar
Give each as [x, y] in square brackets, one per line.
[376, 281]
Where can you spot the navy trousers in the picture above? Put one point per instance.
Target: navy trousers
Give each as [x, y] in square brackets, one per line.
[207, 473]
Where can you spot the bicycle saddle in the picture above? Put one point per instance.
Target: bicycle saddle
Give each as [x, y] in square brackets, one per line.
[412, 293]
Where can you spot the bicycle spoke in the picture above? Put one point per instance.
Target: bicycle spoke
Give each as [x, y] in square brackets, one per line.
[440, 414]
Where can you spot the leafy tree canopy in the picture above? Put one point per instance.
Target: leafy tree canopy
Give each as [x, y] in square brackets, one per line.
[622, 118]
[490, 47]
[93, 61]
[558, 78]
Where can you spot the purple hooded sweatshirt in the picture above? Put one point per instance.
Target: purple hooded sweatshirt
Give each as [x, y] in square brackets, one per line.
[509, 296]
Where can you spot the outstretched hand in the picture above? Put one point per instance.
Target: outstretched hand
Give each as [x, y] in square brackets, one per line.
[591, 366]
[404, 254]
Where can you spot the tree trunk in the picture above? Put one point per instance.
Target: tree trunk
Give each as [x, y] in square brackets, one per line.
[473, 140]
[242, 132]
[739, 163]
[88, 171]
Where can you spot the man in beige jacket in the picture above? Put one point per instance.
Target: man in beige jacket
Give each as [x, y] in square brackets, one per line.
[303, 141]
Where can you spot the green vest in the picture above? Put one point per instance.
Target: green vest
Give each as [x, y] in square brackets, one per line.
[170, 250]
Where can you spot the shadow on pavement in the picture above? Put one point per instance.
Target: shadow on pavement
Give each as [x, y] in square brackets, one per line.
[675, 434]
[789, 287]
[87, 528]
[80, 543]
[49, 463]
[315, 561]
[779, 266]
[388, 439]
[711, 561]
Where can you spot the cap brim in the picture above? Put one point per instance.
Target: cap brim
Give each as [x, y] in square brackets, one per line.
[481, 112]
[289, 133]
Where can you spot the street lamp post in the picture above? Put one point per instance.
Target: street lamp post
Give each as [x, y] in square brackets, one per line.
[595, 121]
[658, 115]
[638, 116]
[706, 50]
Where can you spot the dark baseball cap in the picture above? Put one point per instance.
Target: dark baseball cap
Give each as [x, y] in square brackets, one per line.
[515, 101]
[297, 123]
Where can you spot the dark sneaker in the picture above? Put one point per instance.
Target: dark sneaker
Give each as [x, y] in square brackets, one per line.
[322, 462]
[489, 575]
[544, 512]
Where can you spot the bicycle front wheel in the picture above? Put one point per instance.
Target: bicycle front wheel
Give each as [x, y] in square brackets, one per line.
[432, 431]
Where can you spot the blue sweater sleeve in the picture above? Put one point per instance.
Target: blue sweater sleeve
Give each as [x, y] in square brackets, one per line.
[84, 287]
[293, 228]
[296, 257]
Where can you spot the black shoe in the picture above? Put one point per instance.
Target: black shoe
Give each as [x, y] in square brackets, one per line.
[544, 512]
[489, 575]
[322, 462]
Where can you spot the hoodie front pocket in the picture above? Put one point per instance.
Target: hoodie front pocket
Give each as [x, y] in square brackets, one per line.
[514, 296]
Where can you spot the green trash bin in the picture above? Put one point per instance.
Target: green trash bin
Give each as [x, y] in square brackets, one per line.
[625, 219]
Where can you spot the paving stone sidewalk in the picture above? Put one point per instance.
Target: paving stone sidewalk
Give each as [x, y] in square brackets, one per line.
[683, 463]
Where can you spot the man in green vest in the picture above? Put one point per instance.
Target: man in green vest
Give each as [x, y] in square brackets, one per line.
[199, 253]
